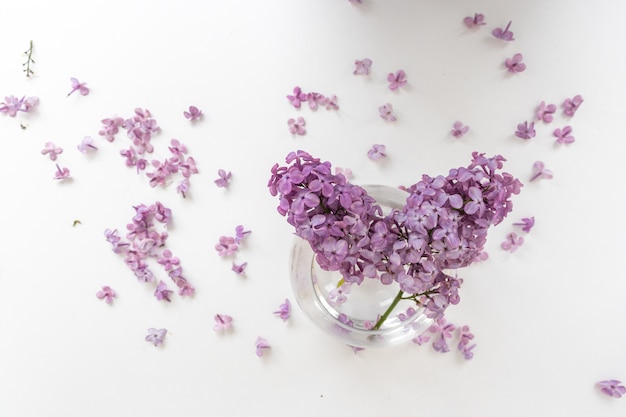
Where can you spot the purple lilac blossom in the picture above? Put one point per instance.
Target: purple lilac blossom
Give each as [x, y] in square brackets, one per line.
[297, 98]
[442, 332]
[296, 126]
[525, 130]
[223, 322]
[12, 105]
[362, 66]
[376, 152]
[226, 246]
[261, 345]
[503, 34]
[224, 178]
[156, 336]
[284, 310]
[192, 114]
[515, 63]
[162, 293]
[612, 388]
[346, 172]
[61, 173]
[330, 103]
[414, 245]
[239, 269]
[386, 112]
[526, 223]
[87, 145]
[540, 171]
[464, 346]
[459, 130]
[240, 233]
[477, 20]
[571, 105]
[396, 80]
[107, 294]
[512, 242]
[51, 150]
[78, 86]
[564, 135]
[314, 100]
[546, 112]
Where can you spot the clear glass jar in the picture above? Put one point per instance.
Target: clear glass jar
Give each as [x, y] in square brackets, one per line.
[352, 321]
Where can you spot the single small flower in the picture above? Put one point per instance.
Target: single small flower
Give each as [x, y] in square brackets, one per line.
[571, 105]
[226, 246]
[162, 293]
[330, 103]
[107, 294]
[515, 64]
[223, 322]
[545, 112]
[512, 242]
[240, 233]
[421, 339]
[87, 145]
[458, 129]
[376, 152]
[239, 269]
[525, 130]
[396, 80]
[362, 66]
[564, 135]
[284, 311]
[156, 336]
[261, 345]
[78, 86]
[297, 98]
[612, 388]
[503, 34]
[465, 337]
[183, 187]
[386, 112]
[477, 20]
[540, 171]
[296, 127]
[61, 173]
[224, 178]
[526, 223]
[193, 113]
[315, 100]
[52, 150]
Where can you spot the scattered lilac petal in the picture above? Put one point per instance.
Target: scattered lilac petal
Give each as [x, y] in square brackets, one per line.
[330, 103]
[459, 130]
[396, 80]
[512, 242]
[261, 345]
[386, 112]
[226, 246]
[362, 66]
[156, 336]
[477, 20]
[162, 293]
[526, 223]
[183, 187]
[564, 135]
[61, 173]
[240, 233]
[87, 145]
[239, 269]
[284, 311]
[296, 126]
[223, 322]
[376, 152]
[515, 63]
[193, 113]
[545, 112]
[525, 130]
[612, 388]
[464, 346]
[297, 98]
[503, 34]
[224, 178]
[78, 86]
[314, 100]
[481, 256]
[540, 171]
[51, 150]
[107, 294]
[571, 105]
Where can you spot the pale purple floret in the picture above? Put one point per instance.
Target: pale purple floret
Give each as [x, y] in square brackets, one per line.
[540, 171]
[296, 126]
[240, 233]
[376, 152]
[284, 310]
[162, 293]
[315, 100]
[612, 388]
[477, 20]
[362, 66]
[571, 105]
[442, 332]
[515, 63]
[512, 242]
[503, 34]
[193, 113]
[12, 105]
[223, 322]
[525, 130]
[107, 294]
[564, 135]
[459, 129]
[226, 246]
[261, 345]
[330, 103]
[545, 112]
[297, 98]
[239, 269]
[464, 346]
[51, 150]
[396, 80]
[224, 178]
[78, 86]
[61, 173]
[87, 145]
[387, 113]
[156, 336]
[526, 223]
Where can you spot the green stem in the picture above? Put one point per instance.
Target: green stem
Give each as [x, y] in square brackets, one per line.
[393, 305]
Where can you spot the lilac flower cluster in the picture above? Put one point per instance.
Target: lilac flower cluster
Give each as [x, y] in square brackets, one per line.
[313, 99]
[12, 105]
[143, 241]
[443, 225]
[442, 332]
[545, 112]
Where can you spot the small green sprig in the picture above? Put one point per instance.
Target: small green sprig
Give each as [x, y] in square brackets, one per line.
[29, 60]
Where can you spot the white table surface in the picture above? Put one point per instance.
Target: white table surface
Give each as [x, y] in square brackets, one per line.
[548, 319]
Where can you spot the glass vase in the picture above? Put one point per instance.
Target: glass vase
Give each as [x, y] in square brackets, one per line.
[353, 320]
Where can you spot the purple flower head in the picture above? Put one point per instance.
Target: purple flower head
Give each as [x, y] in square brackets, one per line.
[261, 345]
[193, 113]
[525, 130]
[362, 66]
[284, 311]
[224, 178]
[545, 112]
[477, 20]
[87, 145]
[376, 152]
[459, 130]
[512, 242]
[239, 269]
[52, 150]
[156, 336]
[296, 126]
[386, 112]
[564, 135]
[107, 294]
[526, 223]
[571, 105]
[61, 173]
[78, 86]
[503, 34]
[612, 388]
[223, 322]
[297, 98]
[540, 171]
[515, 64]
[396, 80]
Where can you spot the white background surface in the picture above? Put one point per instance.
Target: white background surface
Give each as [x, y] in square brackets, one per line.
[548, 319]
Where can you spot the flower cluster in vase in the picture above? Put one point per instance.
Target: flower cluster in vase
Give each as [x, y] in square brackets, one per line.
[442, 227]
